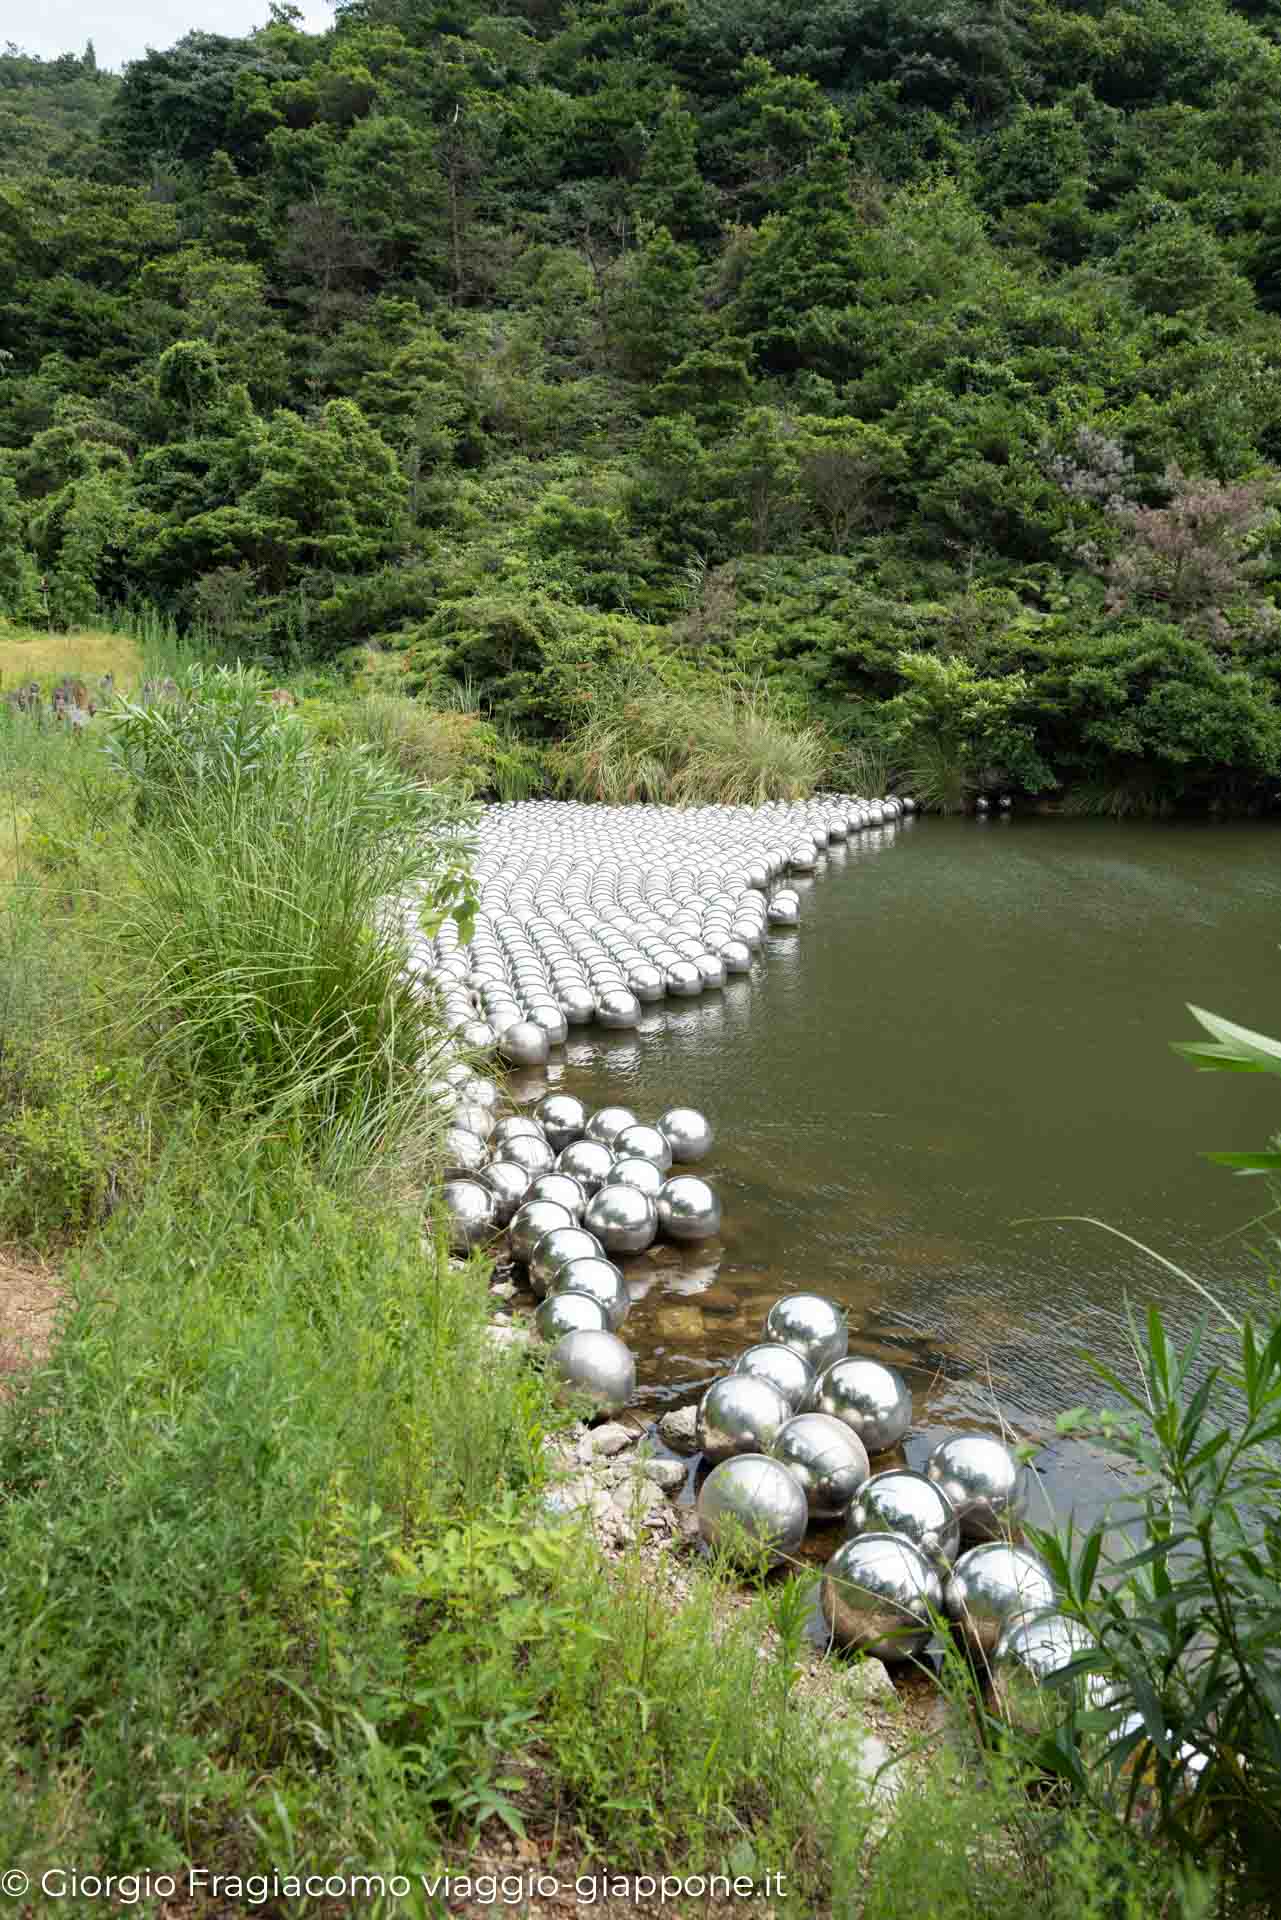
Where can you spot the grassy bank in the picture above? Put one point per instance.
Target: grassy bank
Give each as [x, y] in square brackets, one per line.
[276, 1593]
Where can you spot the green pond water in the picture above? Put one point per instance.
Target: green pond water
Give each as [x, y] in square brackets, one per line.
[967, 1035]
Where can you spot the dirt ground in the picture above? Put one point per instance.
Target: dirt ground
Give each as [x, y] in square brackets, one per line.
[30, 1294]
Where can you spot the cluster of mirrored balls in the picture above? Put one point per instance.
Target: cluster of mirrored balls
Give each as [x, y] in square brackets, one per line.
[791, 1433]
[576, 1191]
[586, 913]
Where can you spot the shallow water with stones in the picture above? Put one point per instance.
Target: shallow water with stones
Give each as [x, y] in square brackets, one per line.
[966, 1036]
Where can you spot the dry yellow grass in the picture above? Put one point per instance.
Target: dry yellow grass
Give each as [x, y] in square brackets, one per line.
[84, 654]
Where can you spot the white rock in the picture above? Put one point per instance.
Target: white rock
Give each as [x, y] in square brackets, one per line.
[679, 1429]
[670, 1475]
[610, 1439]
[507, 1337]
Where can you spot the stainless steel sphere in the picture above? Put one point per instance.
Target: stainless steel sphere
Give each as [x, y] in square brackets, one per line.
[623, 1219]
[597, 1365]
[739, 1414]
[829, 1461]
[1027, 1653]
[784, 913]
[984, 1482]
[562, 1119]
[477, 1036]
[618, 1007]
[469, 1213]
[752, 1502]
[464, 1152]
[548, 1015]
[562, 1313]
[688, 1209]
[900, 1501]
[784, 1369]
[873, 1400]
[688, 1134]
[476, 1119]
[562, 1188]
[515, 1125]
[509, 1185]
[578, 1004]
[643, 1143]
[879, 1595]
[588, 1162]
[527, 1151]
[607, 1123]
[684, 979]
[555, 1250]
[815, 1327]
[990, 1586]
[642, 1175]
[523, 1044]
[601, 1281]
[529, 1224]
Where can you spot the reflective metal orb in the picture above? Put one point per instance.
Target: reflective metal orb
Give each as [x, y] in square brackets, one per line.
[533, 1154]
[607, 1123]
[829, 1461]
[476, 1119]
[878, 1595]
[1026, 1654]
[513, 1126]
[588, 1161]
[562, 1188]
[738, 1414]
[782, 1367]
[688, 1209]
[873, 1400]
[815, 1327]
[990, 1586]
[464, 1152]
[523, 1044]
[643, 1143]
[562, 1313]
[529, 1224]
[623, 1219]
[597, 1365]
[752, 1502]
[562, 1118]
[687, 1132]
[643, 1175]
[555, 1250]
[684, 979]
[509, 1185]
[900, 1501]
[601, 1281]
[618, 1007]
[470, 1212]
[984, 1482]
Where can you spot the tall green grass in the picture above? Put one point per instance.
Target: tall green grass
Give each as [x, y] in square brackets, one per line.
[647, 739]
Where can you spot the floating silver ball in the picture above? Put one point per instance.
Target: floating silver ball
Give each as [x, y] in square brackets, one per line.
[643, 1175]
[752, 1500]
[879, 1594]
[873, 1400]
[470, 1213]
[643, 1143]
[601, 1281]
[738, 1414]
[597, 1365]
[515, 1125]
[509, 1185]
[984, 1482]
[476, 1119]
[990, 1586]
[464, 1152]
[555, 1250]
[477, 1036]
[623, 1219]
[529, 1152]
[784, 913]
[900, 1501]
[529, 1224]
[607, 1123]
[578, 1004]
[562, 1313]
[829, 1461]
[479, 1092]
[588, 1162]
[736, 956]
[687, 1132]
[618, 1007]
[563, 1189]
[688, 1209]
[817, 1328]
[523, 1044]
[782, 1367]
[684, 979]
[1027, 1653]
[548, 1015]
[562, 1119]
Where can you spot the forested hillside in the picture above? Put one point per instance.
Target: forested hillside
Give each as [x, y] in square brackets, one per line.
[920, 357]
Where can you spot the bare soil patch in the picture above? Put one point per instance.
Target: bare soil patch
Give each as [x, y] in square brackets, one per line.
[30, 1295]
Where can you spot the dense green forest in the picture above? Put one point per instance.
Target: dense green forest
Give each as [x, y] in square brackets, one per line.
[919, 360]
